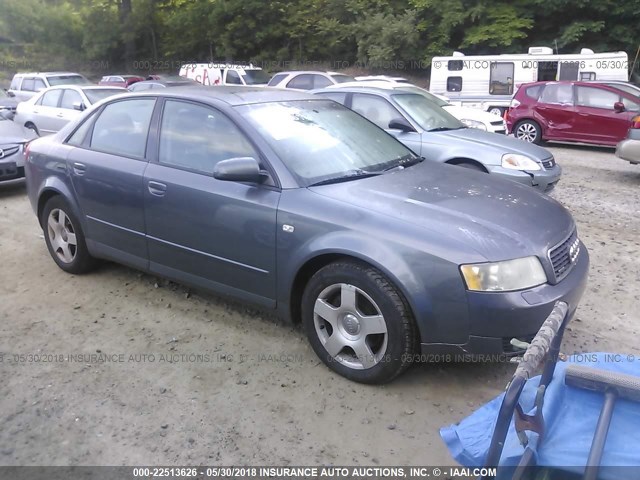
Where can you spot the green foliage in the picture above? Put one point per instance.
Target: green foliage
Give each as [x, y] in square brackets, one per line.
[120, 34]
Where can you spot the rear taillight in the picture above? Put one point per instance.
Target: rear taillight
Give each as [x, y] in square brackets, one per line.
[514, 103]
[26, 151]
[635, 122]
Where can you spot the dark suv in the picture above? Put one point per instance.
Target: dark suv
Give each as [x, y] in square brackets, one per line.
[571, 112]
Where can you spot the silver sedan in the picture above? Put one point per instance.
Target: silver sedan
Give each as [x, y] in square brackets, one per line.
[54, 107]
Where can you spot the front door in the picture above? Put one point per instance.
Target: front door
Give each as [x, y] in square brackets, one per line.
[204, 231]
[596, 119]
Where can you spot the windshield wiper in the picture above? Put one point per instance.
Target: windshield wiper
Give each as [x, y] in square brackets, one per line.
[404, 162]
[352, 175]
[442, 129]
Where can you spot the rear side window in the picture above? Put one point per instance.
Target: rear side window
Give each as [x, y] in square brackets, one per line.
[51, 98]
[15, 83]
[596, 98]
[233, 78]
[454, 84]
[501, 78]
[630, 105]
[320, 82]
[533, 92]
[78, 137]
[122, 127]
[556, 93]
[375, 109]
[38, 84]
[277, 78]
[454, 65]
[28, 85]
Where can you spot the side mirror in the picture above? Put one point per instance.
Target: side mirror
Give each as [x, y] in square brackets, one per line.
[242, 169]
[11, 94]
[618, 107]
[79, 106]
[401, 124]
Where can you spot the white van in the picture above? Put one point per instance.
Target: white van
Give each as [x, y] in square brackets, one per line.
[489, 81]
[224, 74]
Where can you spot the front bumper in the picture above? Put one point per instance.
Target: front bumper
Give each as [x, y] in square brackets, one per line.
[496, 318]
[544, 180]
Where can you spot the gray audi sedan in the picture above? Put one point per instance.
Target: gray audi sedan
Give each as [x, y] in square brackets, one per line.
[299, 205]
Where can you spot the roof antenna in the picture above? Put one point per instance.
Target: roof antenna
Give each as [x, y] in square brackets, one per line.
[556, 42]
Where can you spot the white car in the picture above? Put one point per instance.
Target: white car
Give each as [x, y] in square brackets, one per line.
[471, 117]
[308, 80]
[224, 74]
[54, 107]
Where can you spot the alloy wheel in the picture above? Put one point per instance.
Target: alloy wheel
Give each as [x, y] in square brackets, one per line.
[527, 132]
[62, 235]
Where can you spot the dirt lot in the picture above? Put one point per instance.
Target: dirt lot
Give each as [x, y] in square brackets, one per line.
[253, 392]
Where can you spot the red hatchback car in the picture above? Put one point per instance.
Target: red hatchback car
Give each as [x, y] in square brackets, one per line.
[571, 112]
[120, 80]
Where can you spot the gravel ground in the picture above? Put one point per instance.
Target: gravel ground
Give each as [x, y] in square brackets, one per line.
[194, 379]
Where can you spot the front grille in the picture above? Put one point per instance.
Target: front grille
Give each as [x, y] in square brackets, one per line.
[563, 256]
[549, 163]
[6, 151]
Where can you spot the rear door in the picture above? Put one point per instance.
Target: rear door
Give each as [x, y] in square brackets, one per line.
[596, 119]
[45, 112]
[204, 231]
[555, 111]
[107, 172]
[67, 112]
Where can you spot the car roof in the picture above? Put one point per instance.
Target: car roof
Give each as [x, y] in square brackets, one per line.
[233, 95]
[46, 73]
[176, 82]
[590, 83]
[381, 84]
[385, 91]
[321, 72]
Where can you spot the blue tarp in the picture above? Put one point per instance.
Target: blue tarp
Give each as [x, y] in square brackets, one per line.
[570, 416]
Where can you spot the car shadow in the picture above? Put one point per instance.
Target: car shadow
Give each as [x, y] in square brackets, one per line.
[581, 147]
[13, 188]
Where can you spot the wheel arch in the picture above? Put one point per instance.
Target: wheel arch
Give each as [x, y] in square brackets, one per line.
[461, 160]
[52, 187]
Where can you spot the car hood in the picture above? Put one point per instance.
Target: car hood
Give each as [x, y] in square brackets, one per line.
[9, 102]
[471, 113]
[11, 133]
[473, 211]
[501, 142]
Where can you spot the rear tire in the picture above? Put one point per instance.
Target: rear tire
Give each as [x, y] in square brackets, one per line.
[497, 111]
[358, 322]
[528, 131]
[65, 238]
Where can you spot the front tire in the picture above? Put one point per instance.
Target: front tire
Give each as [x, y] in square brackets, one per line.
[358, 322]
[64, 237]
[528, 131]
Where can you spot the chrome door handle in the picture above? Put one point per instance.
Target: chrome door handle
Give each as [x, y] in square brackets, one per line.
[79, 168]
[156, 188]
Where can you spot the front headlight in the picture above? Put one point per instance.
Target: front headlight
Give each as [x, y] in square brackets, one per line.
[504, 276]
[514, 161]
[474, 124]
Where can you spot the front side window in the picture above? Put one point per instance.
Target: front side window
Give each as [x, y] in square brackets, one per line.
[233, 78]
[630, 105]
[426, 114]
[533, 92]
[501, 78]
[375, 109]
[596, 98]
[51, 98]
[28, 85]
[197, 137]
[277, 78]
[320, 81]
[122, 127]
[69, 98]
[321, 139]
[301, 82]
[335, 96]
[556, 93]
[454, 84]
[255, 77]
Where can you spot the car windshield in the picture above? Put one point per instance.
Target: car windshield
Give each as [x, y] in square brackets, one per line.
[340, 78]
[425, 113]
[319, 140]
[3, 94]
[255, 77]
[67, 80]
[96, 94]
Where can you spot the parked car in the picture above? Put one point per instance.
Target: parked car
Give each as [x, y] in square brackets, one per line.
[162, 83]
[224, 74]
[8, 104]
[123, 81]
[13, 137]
[430, 131]
[471, 117]
[299, 205]
[26, 85]
[629, 148]
[307, 80]
[53, 108]
[582, 112]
